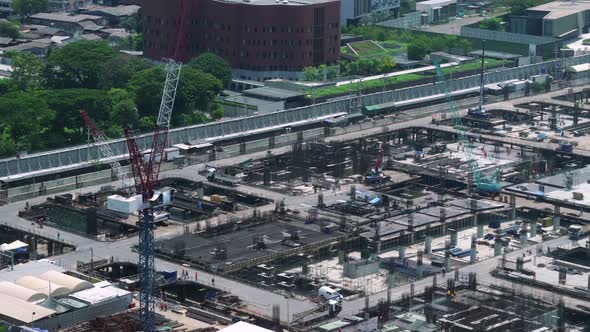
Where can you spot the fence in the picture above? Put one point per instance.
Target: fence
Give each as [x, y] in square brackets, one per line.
[84, 155]
[411, 20]
[502, 36]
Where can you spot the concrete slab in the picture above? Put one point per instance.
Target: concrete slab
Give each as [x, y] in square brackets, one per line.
[450, 211]
[558, 181]
[482, 204]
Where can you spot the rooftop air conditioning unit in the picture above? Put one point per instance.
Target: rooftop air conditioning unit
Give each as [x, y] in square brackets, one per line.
[285, 2]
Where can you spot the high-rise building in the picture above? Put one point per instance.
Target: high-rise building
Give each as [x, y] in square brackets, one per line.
[260, 39]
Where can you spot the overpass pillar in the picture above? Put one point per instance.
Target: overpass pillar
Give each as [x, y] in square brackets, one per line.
[243, 148]
[271, 142]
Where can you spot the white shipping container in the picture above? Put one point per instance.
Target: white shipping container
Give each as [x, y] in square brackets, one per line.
[123, 204]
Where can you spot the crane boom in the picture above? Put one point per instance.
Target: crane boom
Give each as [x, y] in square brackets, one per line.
[163, 123]
[106, 151]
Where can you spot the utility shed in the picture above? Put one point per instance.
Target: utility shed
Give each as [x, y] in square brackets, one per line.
[17, 311]
[73, 283]
[97, 295]
[244, 327]
[20, 292]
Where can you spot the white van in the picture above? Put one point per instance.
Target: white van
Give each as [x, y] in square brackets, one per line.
[329, 293]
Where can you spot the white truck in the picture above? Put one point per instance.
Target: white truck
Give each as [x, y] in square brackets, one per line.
[328, 299]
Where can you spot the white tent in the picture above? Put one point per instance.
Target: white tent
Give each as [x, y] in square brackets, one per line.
[13, 245]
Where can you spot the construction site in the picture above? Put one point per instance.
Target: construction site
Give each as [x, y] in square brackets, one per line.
[420, 216]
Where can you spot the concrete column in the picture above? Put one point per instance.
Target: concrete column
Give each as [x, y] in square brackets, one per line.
[428, 245]
[473, 256]
[512, 206]
[589, 282]
[200, 192]
[479, 230]
[519, 264]
[556, 219]
[497, 248]
[50, 248]
[340, 257]
[533, 228]
[352, 192]
[474, 223]
[419, 267]
[524, 235]
[443, 219]
[402, 252]
[453, 237]
[447, 262]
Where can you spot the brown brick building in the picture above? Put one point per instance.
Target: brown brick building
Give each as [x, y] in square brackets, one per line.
[260, 39]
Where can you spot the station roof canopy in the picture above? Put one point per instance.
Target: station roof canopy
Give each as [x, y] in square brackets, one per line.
[18, 310]
[73, 283]
[273, 93]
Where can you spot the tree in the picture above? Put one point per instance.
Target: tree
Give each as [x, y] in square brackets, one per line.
[123, 112]
[387, 64]
[134, 22]
[67, 103]
[332, 72]
[147, 87]
[417, 50]
[311, 74]
[78, 64]
[27, 7]
[118, 71]
[217, 112]
[214, 65]
[196, 90]
[23, 116]
[493, 23]
[9, 30]
[27, 71]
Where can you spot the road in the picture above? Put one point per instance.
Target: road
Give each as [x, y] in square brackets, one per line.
[258, 300]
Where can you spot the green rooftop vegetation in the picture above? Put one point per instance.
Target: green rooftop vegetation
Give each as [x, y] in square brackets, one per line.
[332, 91]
